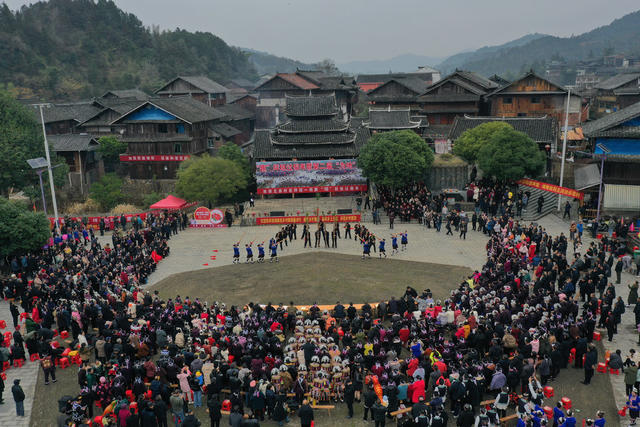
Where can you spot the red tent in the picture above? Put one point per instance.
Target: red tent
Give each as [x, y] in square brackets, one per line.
[170, 202]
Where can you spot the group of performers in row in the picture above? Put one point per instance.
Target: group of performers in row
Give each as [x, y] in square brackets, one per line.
[288, 233]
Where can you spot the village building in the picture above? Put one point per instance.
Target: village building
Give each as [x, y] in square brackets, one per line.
[615, 93]
[110, 108]
[248, 101]
[398, 93]
[162, 132]
[274, 92]
[458, 94]
[237, 125]
[126, 93]
[542, 130]
[532, 95]
[65, 118]
[313, 129]
[79, 152]
[387, 119]
[200, 88]
[368, 82]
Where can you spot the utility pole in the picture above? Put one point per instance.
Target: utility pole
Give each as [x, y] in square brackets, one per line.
[564, 144]
[46, 151]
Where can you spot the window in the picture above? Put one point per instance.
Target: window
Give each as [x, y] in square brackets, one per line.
[179, 128]
[522, 114]
[507, 100]
[177, 148]
[210, 142]
[535, 100]
[162, 128]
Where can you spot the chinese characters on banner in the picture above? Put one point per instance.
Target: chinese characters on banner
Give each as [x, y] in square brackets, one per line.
[154, 158]
[274, 220]
[311, 176]
[563, 191]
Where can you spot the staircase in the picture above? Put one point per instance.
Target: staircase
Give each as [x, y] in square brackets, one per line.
[530, 213]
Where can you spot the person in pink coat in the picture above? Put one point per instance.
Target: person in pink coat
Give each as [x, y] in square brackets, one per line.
[183, 378]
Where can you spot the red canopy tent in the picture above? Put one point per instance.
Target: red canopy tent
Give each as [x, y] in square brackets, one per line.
[170, 202]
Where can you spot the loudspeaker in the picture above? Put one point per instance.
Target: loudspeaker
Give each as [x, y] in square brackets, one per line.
[344, 211]
[276, 213]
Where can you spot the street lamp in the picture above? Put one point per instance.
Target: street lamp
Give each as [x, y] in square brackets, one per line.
[40, 164]
[46, 151]
[605, 150]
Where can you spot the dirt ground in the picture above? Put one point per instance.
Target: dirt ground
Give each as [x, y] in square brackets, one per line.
[321, 277]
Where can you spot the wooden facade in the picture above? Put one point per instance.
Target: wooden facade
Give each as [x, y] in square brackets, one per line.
[534, 96]
[398, 94]
[199, 88]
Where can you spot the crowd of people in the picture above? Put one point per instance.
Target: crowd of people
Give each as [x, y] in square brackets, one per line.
[505, 333]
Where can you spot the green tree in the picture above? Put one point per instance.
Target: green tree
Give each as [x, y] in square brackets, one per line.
[510, 155]
[210, 179]
[231, 151]
[471, 141]
[111, 148]
[107, 191]
[21, 230]
[395, 158]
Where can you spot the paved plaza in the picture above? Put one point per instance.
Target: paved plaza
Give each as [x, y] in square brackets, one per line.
[194, 249]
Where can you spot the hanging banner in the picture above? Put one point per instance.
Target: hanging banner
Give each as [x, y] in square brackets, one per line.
[563, 191]
[274, 220]
[207, 218]
[154, 158]
[313, 176]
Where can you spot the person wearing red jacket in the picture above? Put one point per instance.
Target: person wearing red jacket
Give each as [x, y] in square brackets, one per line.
[416, 390]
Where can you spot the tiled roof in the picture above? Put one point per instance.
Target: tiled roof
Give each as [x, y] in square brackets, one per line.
[234, 97]
[390, 119]
[437, 131]
[225, 130]
[320, 138]
[264, 149]
[591, 129]
[297, 81]
[300, 125]
[184, 107]
[79, 112]
[119, 105]
[383, 78]
[72, 142]
[314, 79]
[478, 79]
[126, 93]
[309, 106]
[540, 129]
[203, 83]
[234, 112]
[617, 81]
[561, 89]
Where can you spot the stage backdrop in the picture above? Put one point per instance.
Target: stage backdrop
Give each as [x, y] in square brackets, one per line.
[314, 176]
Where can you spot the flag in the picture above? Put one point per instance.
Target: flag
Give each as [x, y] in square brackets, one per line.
[155, 257]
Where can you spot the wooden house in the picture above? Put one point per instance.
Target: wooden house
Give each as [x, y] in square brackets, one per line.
[162, 132]
[273, 93]
[238, 122]
[534, 96]
[126, 93]
[65, 118]
[615, 93]
[543, 130]
[110, 108]
[200, 88]
[398, 93]
[460, 93]
[80, 153]
[368, 82]
[388, 119]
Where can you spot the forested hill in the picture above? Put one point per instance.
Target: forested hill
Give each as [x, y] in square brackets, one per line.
[66, 49]
[620, 36]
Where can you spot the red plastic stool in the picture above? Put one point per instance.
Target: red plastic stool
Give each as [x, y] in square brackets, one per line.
[614, 371]
[5, 365]
[23, 315]
[34, 357]
[602, 367]
[134, 407]
[76, 360]
[548, 411]
[548, 391]
[64, 335]
[566, 402]
[55, 344]
[226, 405]
[64, 363]
[3, 324]
[596, 336]
[17, 363]
[66, 352]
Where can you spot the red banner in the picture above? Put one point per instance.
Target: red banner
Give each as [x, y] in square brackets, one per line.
[154, 158]
[318, 189]
[563, 191]
[193, 225]
[94, 221]
[275, 220]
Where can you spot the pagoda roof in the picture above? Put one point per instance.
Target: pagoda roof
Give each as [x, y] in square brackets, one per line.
[391, 119]
[299, 125]
[311, 106]
[324, 138]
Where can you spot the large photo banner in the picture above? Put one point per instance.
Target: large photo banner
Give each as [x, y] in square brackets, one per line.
[207, 218]
[311, 176]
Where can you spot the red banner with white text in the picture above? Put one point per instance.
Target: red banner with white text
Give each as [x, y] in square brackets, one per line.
[563, 191]
[300, 219]
[320, 189]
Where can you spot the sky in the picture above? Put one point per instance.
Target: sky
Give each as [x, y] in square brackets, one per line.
[346, 30]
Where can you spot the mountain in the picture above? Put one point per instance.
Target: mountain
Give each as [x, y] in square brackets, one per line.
[69, 49]
[266, 63]
[398, 64]
[620, 36]
[458, 60]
